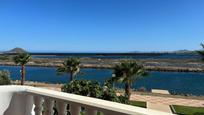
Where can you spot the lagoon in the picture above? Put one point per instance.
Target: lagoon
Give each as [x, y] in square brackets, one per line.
[182, 83]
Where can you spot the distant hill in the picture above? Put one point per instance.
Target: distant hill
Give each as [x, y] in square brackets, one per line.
[16, 50]
[184, 52]
[175, 52]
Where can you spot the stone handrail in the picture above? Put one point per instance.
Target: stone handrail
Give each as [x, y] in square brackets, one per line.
[26, 100]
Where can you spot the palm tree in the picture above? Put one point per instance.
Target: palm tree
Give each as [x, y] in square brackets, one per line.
[70, 66]
[22, 59]
[127, 72]
[202, 51]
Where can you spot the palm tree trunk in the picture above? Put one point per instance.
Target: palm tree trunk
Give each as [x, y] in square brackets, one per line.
[71, 77]
[22, 74]
[127, 90]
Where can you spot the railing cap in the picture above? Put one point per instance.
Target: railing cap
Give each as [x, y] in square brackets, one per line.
[83, 100]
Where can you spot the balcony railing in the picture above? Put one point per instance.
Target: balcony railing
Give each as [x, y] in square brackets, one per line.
[26, 100]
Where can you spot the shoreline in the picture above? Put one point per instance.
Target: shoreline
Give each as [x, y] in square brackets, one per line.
[95, 66]
[163, 65]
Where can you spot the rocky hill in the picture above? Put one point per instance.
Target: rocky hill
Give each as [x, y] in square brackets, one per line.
[16, 50]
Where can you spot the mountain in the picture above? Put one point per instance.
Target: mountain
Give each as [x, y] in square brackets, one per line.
[184, 52]
[177, 52]
[16, 50]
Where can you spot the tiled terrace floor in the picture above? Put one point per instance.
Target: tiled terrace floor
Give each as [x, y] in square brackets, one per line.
[168, 100]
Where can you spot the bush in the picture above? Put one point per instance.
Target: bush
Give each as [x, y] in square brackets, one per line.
[93, 89]
[123, 99]
[83, 87]
[109, 94]
[5, 78]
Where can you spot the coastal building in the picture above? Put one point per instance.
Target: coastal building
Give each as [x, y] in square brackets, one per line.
[26, 100]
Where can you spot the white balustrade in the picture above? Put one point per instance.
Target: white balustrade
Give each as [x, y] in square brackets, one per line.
[40, 101]
[75, 109]
[91, 111]
[49, 104]
[61, 107]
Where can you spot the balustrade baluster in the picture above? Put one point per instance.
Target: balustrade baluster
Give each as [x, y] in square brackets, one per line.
[49, 104]
[38, 101]
[75, 109]
[90, 111]
[61, 107]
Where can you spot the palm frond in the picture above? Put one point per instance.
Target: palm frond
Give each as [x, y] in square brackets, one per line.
[202, 45]
[70, 65]
[61, 70]
[128, 71]
[201, 52]
[22, 58]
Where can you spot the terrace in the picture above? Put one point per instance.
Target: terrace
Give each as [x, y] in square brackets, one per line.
[26, 100]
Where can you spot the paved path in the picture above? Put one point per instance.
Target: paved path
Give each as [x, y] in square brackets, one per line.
[160, 107]
[168, 100]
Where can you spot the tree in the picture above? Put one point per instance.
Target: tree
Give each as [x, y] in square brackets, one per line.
[5, 78]
[202, 52]
[70, 66]
[22, 59]
[127, 72]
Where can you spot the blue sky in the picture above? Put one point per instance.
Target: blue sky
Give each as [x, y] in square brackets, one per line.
[101, 25]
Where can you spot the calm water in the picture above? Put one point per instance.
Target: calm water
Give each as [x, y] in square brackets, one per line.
[186, 83]
[159, 56]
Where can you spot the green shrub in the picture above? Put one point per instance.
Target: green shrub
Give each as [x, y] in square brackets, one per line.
[93, 89]
[109, 93]
[5, 78]
[83, 87]
[123, 99]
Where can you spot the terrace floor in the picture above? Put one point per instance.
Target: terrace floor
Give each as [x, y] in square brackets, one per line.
[167, 100]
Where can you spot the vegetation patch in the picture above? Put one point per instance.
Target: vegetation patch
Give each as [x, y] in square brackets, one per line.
[4, 57]
[138, 104]
[5, 78]
[94, 89]
[185, 110]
